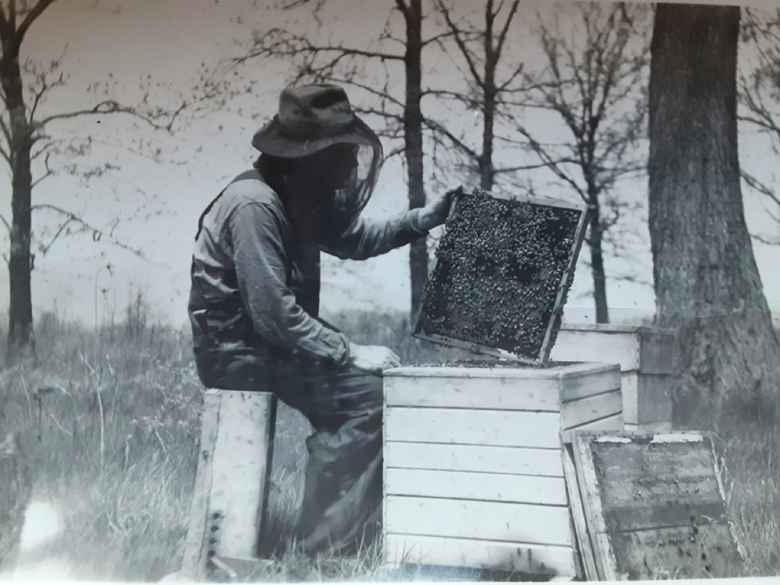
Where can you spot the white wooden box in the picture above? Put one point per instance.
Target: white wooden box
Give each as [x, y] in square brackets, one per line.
[474, 462]
[645, 358]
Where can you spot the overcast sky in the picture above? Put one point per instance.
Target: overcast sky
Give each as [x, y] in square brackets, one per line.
[153, 206]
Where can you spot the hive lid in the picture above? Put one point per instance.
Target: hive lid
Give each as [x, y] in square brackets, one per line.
[504, 266]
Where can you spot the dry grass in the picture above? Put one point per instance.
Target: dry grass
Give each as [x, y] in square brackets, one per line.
[110, 422]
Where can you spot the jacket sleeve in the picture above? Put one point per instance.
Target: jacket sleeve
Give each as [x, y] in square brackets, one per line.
[367, 238]
[261, 268]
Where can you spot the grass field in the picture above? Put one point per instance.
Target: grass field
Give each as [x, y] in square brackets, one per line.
[109, 421]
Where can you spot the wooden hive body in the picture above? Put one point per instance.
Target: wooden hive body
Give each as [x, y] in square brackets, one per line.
[645, 358]
[474, 462]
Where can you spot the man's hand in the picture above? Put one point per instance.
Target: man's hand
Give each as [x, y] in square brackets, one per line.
[435, 212]
[373, 358]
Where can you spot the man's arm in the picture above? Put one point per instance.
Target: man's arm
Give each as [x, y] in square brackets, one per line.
[261, 267]
[367, 238]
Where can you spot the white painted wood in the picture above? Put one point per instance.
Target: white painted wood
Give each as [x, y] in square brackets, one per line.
[240, 469]
[483, 427]
[497, 393]
[654, 346]
[584, 544]
[630, 390]
[601, 379]
[509, 392]
[591, 500]
[518, 523]
[476, 486]
[485, 459]
[519, 372]
[611, 346]
[538, 559]
[579, 412]
[611, 423]
[195, 548]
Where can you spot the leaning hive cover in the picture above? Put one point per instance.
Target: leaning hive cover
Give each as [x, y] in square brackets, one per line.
[504, 266]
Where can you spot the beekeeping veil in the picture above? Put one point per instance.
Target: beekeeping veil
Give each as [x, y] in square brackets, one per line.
[312, 118]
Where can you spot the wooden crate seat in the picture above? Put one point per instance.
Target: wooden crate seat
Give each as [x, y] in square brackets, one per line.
[232, 481]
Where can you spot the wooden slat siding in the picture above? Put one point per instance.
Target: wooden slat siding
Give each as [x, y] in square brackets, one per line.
[240, 469]
[492, 393]
[611, 423]
[578, 515]
[654, 398]
[519, 372]
[618, 347]
[592, 408]
[517, 523]
[604, 557]
[196, 545]
[496, 487]
[537, 559]
[481, 459]
[602, 378]
[461, 426]
[507, 393]
[385, 442]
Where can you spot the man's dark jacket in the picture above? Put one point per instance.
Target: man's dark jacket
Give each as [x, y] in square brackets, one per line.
[256, 284]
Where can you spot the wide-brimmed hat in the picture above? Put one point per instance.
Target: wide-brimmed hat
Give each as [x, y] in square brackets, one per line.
[310, 118]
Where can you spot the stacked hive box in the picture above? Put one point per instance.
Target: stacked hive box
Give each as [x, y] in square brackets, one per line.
[474, 464]
[645, 358]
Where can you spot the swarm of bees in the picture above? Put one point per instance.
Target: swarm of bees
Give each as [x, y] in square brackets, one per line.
[500, 266]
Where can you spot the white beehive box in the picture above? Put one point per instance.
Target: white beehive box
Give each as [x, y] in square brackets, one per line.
[645, 358]
[474, 462]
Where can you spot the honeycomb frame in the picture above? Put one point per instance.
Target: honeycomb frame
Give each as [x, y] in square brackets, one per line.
[464, 302]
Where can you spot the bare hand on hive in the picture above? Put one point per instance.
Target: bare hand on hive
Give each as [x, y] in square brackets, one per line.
[373, 358]
[437, 210]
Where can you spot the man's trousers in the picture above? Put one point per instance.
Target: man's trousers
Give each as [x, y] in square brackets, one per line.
[342, 499]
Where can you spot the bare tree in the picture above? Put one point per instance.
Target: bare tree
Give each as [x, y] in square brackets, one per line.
[592, 81]
[492, 74]
[26, 124]
[402, 113]
[706, 280]
[759, 93]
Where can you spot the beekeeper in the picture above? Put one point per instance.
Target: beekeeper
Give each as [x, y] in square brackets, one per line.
[254, 300]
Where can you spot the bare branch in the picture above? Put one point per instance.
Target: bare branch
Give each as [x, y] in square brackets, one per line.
[507, 24]
[97, 233]
[457, 34]
[762, 188]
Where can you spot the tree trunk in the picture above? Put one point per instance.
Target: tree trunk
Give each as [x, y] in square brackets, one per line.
[595, 244]
[489, 91]
[19, 261]
[413, 148]
[706, 280]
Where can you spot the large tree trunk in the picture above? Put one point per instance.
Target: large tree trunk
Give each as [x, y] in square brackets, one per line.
[418, 252]
[707, 283]
[19, 260]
